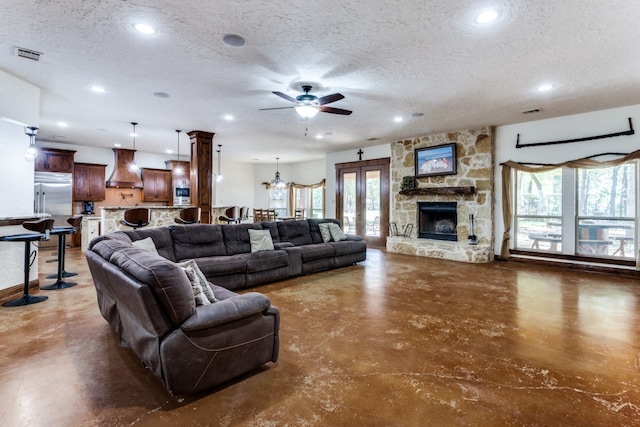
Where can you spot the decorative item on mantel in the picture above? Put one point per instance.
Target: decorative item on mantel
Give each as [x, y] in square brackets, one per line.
[408, 182]
[473, 239]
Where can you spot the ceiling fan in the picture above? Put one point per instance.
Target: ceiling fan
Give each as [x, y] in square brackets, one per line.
[308, 105]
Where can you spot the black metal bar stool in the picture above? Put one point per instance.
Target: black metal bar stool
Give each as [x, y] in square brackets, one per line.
[61, 232]
[42, 230]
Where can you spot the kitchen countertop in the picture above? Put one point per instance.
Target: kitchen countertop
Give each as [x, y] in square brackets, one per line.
[19, 219]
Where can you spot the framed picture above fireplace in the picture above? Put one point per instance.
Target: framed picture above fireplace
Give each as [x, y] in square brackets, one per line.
[435, 161]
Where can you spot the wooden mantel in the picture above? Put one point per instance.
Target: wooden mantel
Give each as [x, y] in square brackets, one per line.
[420, 191]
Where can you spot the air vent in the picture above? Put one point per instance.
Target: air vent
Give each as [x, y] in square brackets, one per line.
[535, 110]
[28, 53]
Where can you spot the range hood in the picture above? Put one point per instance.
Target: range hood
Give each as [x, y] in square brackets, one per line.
[122, 176]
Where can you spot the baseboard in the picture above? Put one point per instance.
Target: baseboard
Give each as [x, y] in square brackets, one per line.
[18, 289]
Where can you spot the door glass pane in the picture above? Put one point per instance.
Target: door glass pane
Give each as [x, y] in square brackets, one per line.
[372, 195]
[606, 211]
[538, 221]
[349, 202]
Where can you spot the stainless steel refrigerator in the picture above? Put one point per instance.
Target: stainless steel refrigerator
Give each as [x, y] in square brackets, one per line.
[53, 195]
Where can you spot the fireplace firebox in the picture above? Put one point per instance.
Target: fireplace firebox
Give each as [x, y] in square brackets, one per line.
[438, 220]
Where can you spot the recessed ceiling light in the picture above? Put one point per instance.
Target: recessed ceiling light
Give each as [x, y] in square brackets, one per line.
[398, 119]
[133, 135]
[117, 145]
[233, 40]
[144, 28]
[319, 136]
[97, 89]
[415, 115]
[545, 88]
[228, 117]
[168, 151]
[161, 95]
[487, 16]
[63, 124]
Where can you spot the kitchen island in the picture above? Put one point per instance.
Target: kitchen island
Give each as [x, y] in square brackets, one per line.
[161, 216]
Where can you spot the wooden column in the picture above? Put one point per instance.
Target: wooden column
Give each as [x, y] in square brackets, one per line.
[201, 172]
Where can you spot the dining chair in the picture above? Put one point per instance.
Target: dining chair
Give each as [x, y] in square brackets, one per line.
[299, 213]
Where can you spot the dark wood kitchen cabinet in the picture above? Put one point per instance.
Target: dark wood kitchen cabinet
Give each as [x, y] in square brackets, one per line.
[88, 182]
[156, 185]
[54, 160]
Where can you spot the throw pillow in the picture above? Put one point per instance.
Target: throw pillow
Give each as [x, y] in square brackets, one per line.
[336, 232]
[198, 292]
[260, 240]
[199, 278]
[146, 244]
[324, 232]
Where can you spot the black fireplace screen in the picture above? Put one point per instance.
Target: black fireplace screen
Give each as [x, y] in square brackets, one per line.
[438, 220]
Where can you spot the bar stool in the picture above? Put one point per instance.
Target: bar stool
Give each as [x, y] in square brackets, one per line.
[136, 217]
[61, 232]
[189, 216]
[232, 214]
[42, 230]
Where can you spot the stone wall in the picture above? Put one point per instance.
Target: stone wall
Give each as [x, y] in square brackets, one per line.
[474, 149]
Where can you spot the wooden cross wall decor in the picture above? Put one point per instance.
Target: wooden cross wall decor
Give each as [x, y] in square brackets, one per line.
[360, 153]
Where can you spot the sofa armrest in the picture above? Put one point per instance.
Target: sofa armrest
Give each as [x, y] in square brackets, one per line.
[354, 238]
[282, 245]
[228, 310]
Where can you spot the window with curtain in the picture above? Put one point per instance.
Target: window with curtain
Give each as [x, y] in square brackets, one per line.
[311, 198]
[581, 207]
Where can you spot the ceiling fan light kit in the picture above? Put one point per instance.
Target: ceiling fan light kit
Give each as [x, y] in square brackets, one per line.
[306, 111]
[307, 105]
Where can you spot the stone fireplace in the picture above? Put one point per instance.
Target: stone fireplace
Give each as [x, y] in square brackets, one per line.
[438, 221]
[444, 232]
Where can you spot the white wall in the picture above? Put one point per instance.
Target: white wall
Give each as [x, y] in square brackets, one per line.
[237, 185]
[369, 153]
[561, 128]
[19, 102]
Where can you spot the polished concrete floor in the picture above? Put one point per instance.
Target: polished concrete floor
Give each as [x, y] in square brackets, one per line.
[394, 341]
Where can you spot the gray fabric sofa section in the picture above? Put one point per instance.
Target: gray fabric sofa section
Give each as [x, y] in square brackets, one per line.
[148, 302]
[223, 252]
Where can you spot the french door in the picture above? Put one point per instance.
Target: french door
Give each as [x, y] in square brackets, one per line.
[362, 199]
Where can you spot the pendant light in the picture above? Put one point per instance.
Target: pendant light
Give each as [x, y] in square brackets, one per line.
[32, 151]
[277, 181]
[178, 170]
[219, 176]
[133, 167]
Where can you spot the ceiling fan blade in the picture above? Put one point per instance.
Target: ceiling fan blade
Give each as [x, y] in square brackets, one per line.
[330, 98]
[276, 108]
[334, 110]
[285, 96]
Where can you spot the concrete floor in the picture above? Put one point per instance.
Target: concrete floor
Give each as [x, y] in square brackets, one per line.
[395, 341]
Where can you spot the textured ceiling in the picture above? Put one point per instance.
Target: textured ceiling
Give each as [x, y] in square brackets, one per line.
[388, 58]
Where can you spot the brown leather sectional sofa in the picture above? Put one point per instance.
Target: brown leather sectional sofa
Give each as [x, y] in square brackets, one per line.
[148, 301]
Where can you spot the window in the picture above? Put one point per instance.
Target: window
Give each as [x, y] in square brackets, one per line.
[538, 219]
[279, 200]
[606, 206]
[310, 198]
[583, 211]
